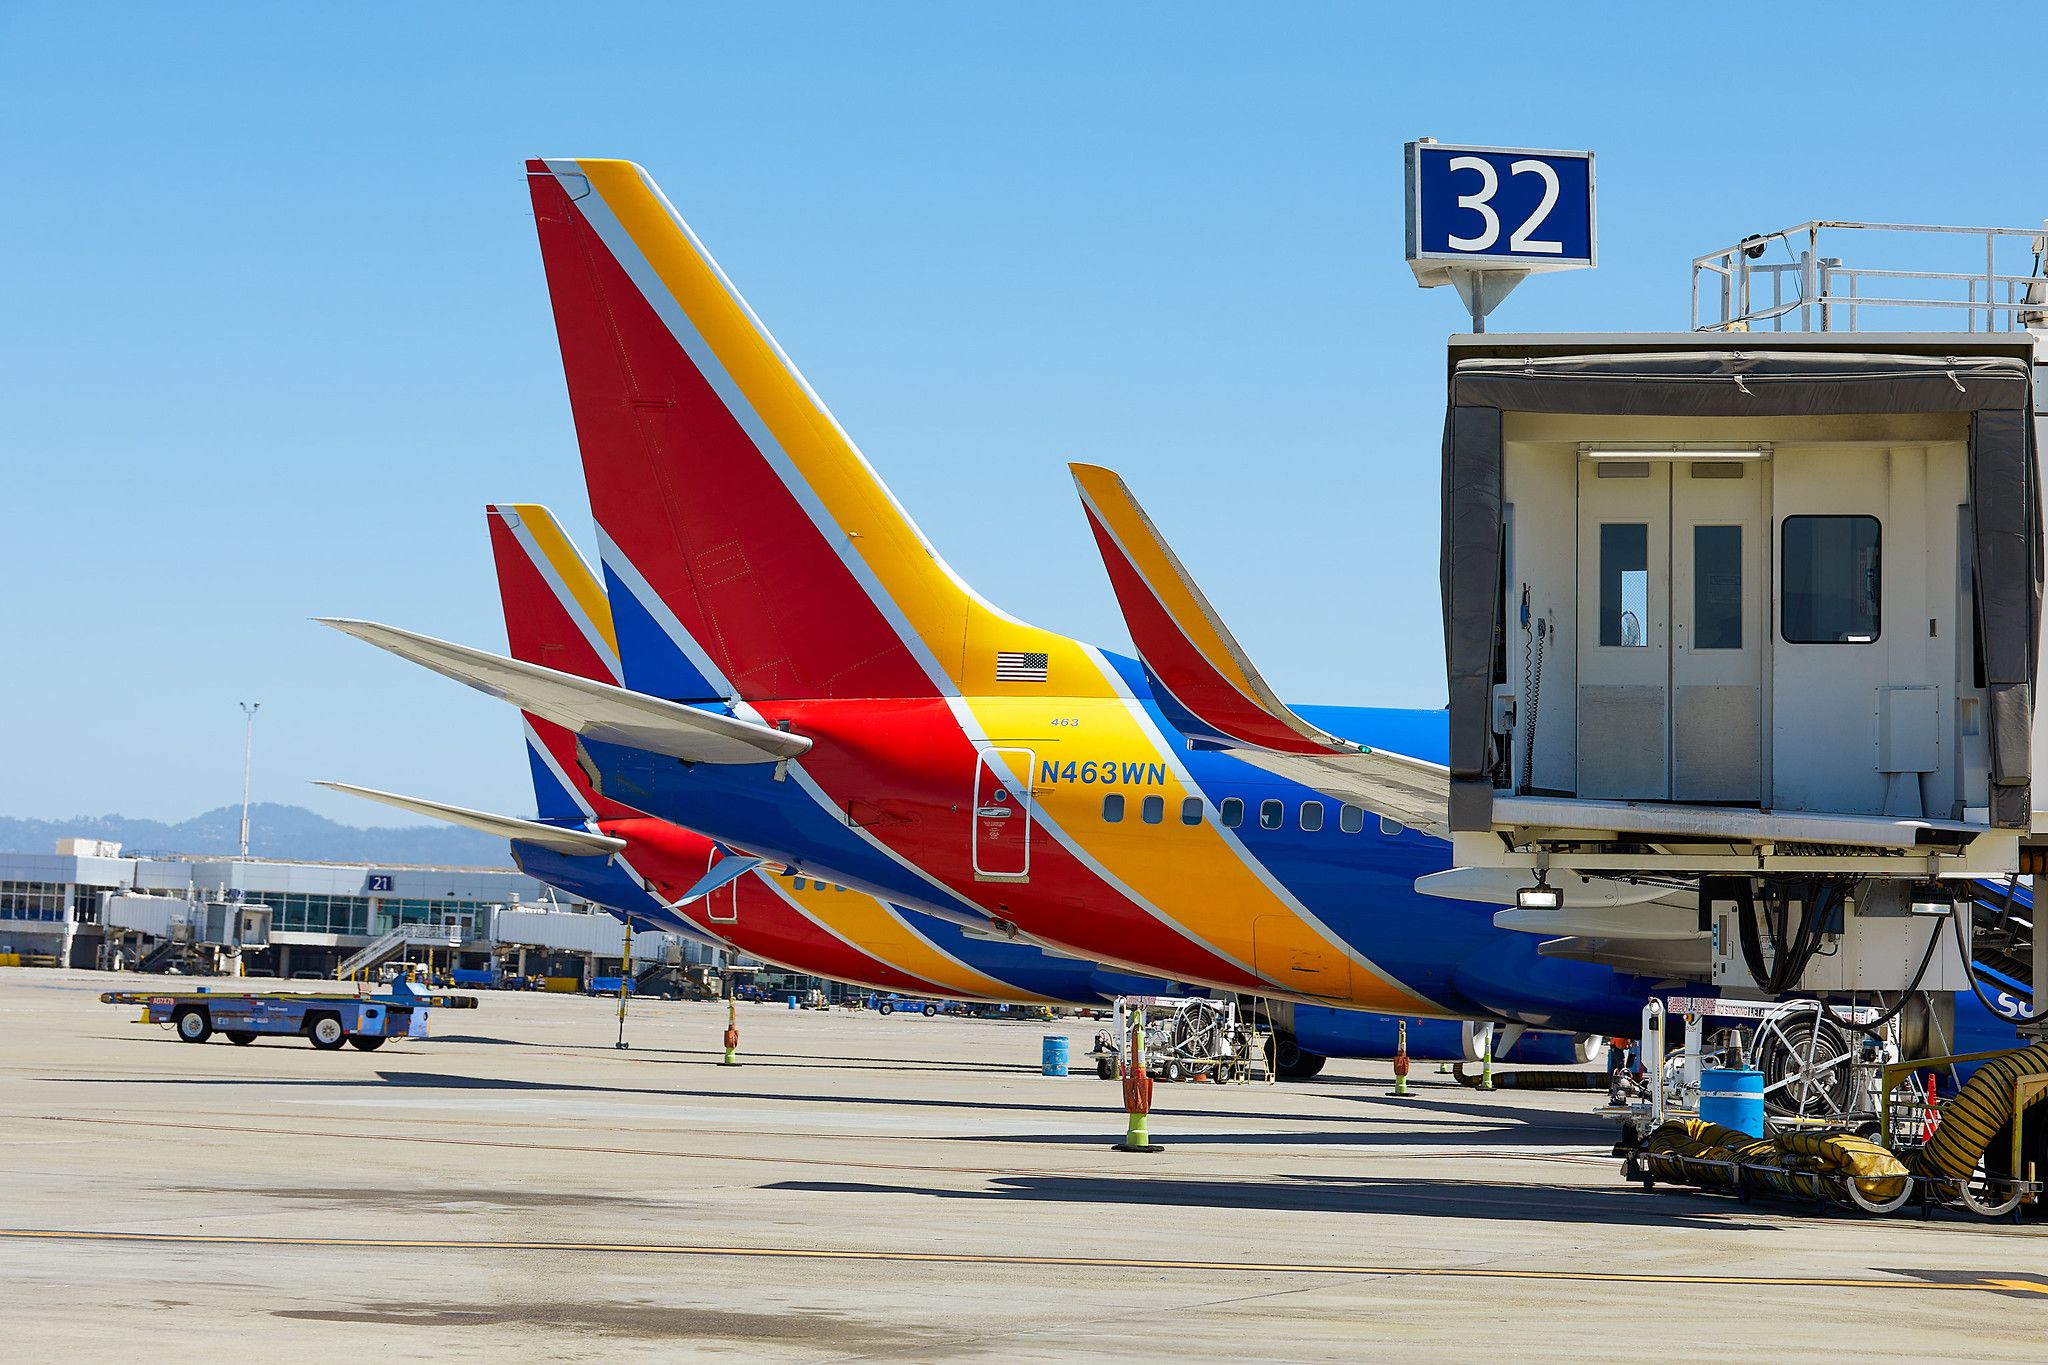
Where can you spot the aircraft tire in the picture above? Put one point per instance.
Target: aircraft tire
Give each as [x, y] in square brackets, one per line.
[1286, 1059]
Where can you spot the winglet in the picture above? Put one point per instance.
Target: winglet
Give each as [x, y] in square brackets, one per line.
[1184, 643]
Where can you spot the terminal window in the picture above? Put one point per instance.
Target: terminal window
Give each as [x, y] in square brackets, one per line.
[304, 913]
[1833, 579]
[32, 902]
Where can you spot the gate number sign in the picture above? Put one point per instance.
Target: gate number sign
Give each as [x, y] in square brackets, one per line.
[1520, 210]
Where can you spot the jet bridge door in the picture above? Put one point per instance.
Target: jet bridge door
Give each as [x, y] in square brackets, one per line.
[1671, 634]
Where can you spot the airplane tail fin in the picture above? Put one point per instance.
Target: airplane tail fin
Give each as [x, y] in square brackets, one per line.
[1209, 689]
[556, 615]
[738, 519]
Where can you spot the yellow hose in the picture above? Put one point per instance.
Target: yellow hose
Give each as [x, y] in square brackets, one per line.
[1982, 1108]
[1798, 1164]
[1682, 1149]
[1813, 1165]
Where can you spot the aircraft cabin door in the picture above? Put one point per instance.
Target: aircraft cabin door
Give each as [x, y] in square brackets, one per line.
[1672, 620]
[1000, 837]
[722, 905]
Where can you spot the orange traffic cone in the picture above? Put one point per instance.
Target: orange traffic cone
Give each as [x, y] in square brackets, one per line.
[1137, 1093]
[732, 1034]
[1401, 1091]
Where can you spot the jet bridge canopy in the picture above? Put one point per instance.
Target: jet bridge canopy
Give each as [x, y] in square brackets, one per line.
[1798, 574]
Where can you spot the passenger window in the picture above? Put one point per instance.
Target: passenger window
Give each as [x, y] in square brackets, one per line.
[1311, 816]
[1351, 819]
[1113, 807]
[1832, 581]
[796, 883]
[1625, 584]
[1231, 812]
[1271, 815]
[1153, 808]
[1191, 811]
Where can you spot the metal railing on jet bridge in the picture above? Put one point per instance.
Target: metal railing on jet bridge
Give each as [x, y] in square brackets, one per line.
[1813, 291]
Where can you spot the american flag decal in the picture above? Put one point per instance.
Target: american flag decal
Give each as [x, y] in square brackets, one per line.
[1013, 667]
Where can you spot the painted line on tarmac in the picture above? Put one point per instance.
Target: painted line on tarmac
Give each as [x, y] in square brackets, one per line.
[1967, 1282]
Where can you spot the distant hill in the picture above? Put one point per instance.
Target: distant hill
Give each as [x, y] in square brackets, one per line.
[275, 831]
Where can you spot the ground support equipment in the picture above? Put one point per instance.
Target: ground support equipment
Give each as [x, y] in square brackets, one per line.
[1981, 1151]
[325, 1019]
[1186, 1040]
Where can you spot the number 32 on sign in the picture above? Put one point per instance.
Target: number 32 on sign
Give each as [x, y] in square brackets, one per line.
[1523, 210]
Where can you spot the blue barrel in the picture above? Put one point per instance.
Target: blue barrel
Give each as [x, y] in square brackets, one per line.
[1054, 1055]
[1733, 1099]
[792, 1002]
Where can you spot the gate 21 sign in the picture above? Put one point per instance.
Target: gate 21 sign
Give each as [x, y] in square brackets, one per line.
[1499, 206]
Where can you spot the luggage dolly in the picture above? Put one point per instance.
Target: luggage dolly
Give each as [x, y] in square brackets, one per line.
[326, 1019]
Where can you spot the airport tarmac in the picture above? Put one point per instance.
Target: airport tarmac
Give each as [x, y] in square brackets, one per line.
[896, 1188]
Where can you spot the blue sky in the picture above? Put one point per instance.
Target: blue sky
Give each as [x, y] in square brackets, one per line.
[273, 327]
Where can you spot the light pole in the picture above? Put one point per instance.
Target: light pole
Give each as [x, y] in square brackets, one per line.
[249, 710]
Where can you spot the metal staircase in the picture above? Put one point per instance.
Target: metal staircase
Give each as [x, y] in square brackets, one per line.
[168, 952]
[395, 941]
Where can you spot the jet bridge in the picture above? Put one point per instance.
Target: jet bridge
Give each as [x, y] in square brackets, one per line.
[1743, 625]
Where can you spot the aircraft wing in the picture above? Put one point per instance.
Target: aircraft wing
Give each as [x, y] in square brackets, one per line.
[560, 838]
[1223, 700]
[592, 709]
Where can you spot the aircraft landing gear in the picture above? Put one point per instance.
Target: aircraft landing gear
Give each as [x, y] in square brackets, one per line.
[1286, 1058]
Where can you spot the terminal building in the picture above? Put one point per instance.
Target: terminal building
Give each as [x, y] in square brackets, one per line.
[88, 905]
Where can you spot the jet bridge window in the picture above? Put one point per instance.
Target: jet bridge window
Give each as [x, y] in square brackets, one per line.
[1717, 586]
[1113, 807]
[1351, 819]
[1832, 581]
[1625, 584]
[1232, 812]
[1271, 815]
